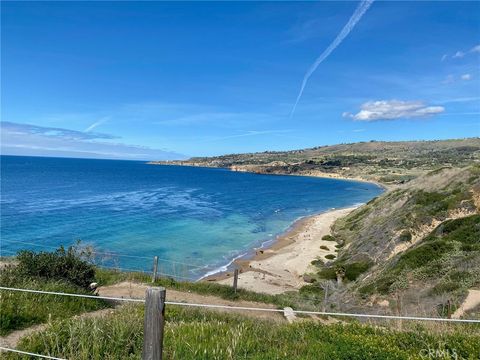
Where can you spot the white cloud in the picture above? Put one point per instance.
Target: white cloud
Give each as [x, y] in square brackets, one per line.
[460, 99]
[460, 54]
[466, 77]
[449, 79]
[475, 49]
[393, 110]
[26, 139]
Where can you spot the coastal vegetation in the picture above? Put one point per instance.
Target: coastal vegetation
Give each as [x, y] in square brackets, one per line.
[199, 334]
[59, 271]
[203, 334]
[384, 162]
[419, 243]
[192, 333]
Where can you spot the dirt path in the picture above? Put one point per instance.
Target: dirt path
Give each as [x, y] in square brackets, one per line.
[471, 302]
[129, 289]
[11, 340]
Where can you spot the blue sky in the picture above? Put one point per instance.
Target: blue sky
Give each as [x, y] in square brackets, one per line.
[159, 80]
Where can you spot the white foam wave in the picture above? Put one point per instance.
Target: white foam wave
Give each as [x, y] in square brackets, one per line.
[223, 268]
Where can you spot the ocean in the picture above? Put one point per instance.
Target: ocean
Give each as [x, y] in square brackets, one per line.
[196, 220]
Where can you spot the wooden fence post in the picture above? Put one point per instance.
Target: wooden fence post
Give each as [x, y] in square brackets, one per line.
[153, 323]
[235, 280]
[155, 267]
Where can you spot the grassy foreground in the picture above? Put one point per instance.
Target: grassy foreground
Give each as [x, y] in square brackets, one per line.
[197, 334]
[68, 271]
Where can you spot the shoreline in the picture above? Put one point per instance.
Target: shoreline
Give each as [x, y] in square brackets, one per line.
[280, 267]
[386, 187]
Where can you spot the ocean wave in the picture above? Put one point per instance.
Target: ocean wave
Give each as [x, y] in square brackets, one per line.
[222, 268]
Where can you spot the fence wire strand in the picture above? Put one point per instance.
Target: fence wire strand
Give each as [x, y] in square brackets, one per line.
[31, 354]
[245, 308]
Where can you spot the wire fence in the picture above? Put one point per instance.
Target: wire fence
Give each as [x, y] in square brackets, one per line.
[30, 354]
[175, 269]
[108, 253]
[209, 306]
[247, 308]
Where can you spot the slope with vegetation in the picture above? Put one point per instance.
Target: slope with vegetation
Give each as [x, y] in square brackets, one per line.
[384, 162]
[415, 248]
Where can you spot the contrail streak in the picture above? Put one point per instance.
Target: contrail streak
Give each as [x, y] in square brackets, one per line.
[357, 15]
[95, 124]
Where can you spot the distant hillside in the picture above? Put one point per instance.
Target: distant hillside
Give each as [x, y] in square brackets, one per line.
[385, 162]
[419, 243]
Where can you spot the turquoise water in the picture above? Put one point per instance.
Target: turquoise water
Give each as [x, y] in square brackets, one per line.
[196, 220]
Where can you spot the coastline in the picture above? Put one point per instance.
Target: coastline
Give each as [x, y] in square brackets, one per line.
[280, 267]
[316, 174]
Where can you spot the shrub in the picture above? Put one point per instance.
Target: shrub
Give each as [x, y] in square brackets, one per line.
[323, 247]
[353, 270]
[384, 284]
[405, 236]
[424, 254]
[328, 238]
[314, 289]
[465, 230]
[317, 262]
[328, 273]
[330, 256]
[367, 290]
[69, 265]
[445, 287]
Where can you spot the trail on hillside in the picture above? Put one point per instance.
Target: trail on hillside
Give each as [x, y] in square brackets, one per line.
[11, 340]
[128, 289]
[471, 302]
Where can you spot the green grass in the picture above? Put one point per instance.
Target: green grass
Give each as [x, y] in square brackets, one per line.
[19, 310]
[197, 334]
[58, 271]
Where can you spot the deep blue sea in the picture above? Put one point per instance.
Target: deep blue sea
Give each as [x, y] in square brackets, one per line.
[196, 220]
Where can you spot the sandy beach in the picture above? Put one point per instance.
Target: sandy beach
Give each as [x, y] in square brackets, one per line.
[280, 268]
